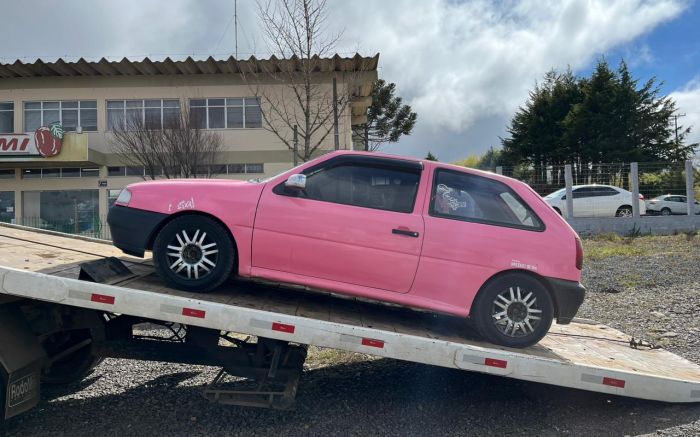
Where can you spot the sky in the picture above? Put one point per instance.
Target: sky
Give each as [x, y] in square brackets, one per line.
[464, 66]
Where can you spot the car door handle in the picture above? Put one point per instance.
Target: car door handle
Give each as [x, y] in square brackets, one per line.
[406, 232]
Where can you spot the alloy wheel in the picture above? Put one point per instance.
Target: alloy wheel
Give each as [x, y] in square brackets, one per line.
[192, 254]
[516, 312]
[624, 212]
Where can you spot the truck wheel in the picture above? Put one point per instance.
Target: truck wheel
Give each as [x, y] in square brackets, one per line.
[194, 253]
[72, 356]
[3, 391]
[514, 310]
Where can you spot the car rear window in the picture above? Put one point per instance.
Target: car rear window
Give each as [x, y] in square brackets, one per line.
[467, 197]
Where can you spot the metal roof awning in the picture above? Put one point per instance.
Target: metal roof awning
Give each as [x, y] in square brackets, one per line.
[188, 66]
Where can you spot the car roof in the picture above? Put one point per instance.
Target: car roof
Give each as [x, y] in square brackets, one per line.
[595, 185]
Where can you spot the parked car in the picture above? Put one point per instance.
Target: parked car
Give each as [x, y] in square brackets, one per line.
[596, 201]
[669, 204]
[415, 233]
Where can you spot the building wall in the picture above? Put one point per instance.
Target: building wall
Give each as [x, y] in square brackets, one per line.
[239, 146]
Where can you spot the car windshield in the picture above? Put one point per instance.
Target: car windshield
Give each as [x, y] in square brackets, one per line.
[556, 193]
[660, 197]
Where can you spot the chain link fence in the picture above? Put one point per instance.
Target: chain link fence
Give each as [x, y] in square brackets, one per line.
[590, 196]
[86, 225]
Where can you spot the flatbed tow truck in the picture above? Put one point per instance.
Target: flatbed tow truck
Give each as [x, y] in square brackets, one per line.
[66, 303]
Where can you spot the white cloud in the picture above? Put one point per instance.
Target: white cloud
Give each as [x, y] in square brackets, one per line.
[462, 61]
[465, 66]
[688, 103]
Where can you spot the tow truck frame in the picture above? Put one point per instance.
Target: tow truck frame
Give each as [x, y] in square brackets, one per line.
[67, 303]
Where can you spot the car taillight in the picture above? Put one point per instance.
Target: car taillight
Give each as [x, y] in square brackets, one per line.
[641, 196]
[579, 254]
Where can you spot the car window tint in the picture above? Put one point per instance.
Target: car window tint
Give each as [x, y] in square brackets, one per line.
[463, 196]
[606, 191]
[580, 193]
[363, 185]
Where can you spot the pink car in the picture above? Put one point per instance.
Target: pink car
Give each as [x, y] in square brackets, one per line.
[415, 233]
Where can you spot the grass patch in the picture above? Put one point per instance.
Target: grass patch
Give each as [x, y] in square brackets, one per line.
[322, 357]
[598, 252]
[631, 280]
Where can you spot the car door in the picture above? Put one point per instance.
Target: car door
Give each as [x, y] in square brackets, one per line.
[353, 223]
[678, 204]
[584, 205]
[604, 200]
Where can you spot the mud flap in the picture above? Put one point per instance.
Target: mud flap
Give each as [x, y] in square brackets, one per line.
[21, 361]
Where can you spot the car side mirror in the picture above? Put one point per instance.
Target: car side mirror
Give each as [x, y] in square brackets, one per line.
[296, 181]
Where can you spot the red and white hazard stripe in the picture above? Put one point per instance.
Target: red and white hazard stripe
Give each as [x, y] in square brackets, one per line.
[92, 297]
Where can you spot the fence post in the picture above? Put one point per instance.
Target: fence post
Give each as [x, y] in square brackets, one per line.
[569, 181]
[689, 190]
[634, 181]
[499, 170]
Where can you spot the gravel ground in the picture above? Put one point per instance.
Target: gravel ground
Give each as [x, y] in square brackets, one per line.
[648, 287]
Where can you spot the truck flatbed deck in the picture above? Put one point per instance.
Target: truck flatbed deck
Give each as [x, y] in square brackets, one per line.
[584, 355]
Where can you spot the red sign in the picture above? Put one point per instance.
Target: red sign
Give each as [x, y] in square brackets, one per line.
[46, 142]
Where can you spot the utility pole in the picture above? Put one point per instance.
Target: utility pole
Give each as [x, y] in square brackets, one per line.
[336, 138]
[296, 146]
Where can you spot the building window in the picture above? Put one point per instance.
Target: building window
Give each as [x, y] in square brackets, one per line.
[70, 113]
[68, 172]
[7, 173]
[135, 171]
[116, 171]
[72, 211]
[226, 113]
[152, 114]
[7, 206]
[7, 117]
[112, 196]
[245, 168]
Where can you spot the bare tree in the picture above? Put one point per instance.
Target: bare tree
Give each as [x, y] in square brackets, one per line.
[176, 149]
[295, 30]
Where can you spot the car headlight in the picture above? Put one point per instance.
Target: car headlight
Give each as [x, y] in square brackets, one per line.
[124, 198]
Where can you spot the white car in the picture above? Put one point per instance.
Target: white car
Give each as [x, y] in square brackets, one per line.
[670, 204]
[596, 201]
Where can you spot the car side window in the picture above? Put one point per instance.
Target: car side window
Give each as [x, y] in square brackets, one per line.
[360, 184]
[463, 196]
[606, 191]
[581, 193]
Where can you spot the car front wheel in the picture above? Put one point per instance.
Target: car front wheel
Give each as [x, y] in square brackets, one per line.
[194, 253]
[514, 310]
[665, 211]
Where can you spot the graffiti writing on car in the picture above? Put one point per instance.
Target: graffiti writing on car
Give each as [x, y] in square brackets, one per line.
[186, 204]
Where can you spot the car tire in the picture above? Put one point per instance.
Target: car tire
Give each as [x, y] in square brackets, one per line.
[624, 211]
[194, 253]
[665, 211]
[513, 310]
[558, 210]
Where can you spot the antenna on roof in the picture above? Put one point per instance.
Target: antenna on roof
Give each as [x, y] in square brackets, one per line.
[235, 26]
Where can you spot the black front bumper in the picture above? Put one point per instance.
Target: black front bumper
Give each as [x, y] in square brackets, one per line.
[568, 297]
[132, 228]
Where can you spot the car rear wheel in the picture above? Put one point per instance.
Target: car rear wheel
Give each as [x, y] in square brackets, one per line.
[194, 253]
[624, 211]
[665, 211]
[514, 310]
